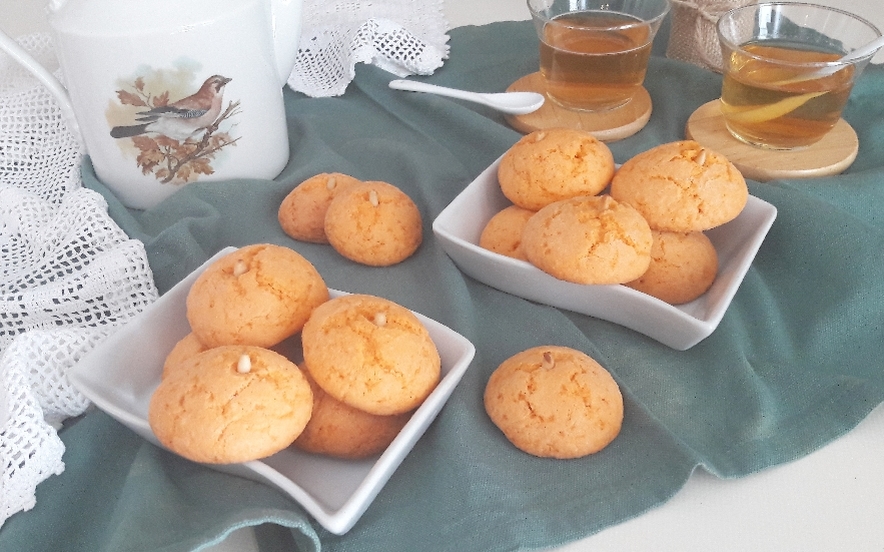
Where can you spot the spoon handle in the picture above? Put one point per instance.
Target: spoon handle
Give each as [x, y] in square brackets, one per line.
[414, 86]
[861, 52]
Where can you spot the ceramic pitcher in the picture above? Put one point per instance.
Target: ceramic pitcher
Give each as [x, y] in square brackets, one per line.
[167, 92]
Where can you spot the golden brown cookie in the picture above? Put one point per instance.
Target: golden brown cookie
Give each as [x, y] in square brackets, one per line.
[589, 240]
[681, 187]
[554, 164]
[187, 347]
[231, 404]
[554, 402]
[302, 213]
[683, 266]
[374, 223]
[371, 354]
[342, 431]
[256, 295]
[503, 232]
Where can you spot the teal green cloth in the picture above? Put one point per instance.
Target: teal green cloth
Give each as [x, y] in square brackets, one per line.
[795, 363]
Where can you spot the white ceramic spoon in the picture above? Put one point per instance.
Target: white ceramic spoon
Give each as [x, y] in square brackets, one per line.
[515, 103]
[838, 64]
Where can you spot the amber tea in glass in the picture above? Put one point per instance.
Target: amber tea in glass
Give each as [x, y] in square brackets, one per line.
[784, 85]
[763, 103]
[594, 60]
[594, 56]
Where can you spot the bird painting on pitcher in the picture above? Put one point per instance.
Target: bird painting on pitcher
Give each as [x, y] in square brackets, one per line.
[176, 141]
[179, 120]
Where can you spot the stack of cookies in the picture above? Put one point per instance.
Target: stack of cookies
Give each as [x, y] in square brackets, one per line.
[682, 189]
[646, 232]
[372, 363]
[372, 223]
[228, 394]
[225, 396]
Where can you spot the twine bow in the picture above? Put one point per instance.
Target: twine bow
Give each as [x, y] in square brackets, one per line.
[709, 12]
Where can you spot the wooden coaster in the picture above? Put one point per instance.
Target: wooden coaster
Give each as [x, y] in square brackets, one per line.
[830, 156]
[607, 126]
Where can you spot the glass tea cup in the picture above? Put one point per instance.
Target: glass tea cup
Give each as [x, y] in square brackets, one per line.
[594, 53]
[785, 84]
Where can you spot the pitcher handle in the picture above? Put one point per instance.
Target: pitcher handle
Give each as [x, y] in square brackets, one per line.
[55, 88]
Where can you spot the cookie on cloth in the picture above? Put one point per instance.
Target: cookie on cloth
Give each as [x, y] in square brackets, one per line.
[370, 353]
[554, 402]
[339, 430]
[186, 347]
[302, 213]
[554, 164]
[681, 187]
[257, 295]
[683, 267]
[374, 223]
[503, 232]
[589, 240]
[231, 404]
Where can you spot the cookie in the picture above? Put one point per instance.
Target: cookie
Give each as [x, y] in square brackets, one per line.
[589, 240]
[681, 187]
[231, 404]
[374, 223]
[339, 430]
[503, 232]
[256, 295]
[554, 164]
[554, 402]
[302, 213]
[683, 267]
[187, 347]
[370, 353]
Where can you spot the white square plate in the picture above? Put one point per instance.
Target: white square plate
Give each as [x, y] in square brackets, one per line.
[460, 224]
[121, 374]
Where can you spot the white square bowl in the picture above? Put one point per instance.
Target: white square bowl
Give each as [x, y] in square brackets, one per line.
[120, 375]
[680, 327]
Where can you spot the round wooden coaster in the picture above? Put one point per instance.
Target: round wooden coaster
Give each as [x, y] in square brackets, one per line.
[830, 156]
[608, 126]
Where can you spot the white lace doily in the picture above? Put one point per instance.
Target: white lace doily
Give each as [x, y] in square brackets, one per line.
[403, 37]
[68, 276]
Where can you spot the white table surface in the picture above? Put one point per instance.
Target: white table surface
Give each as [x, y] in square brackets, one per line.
[830, 500]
